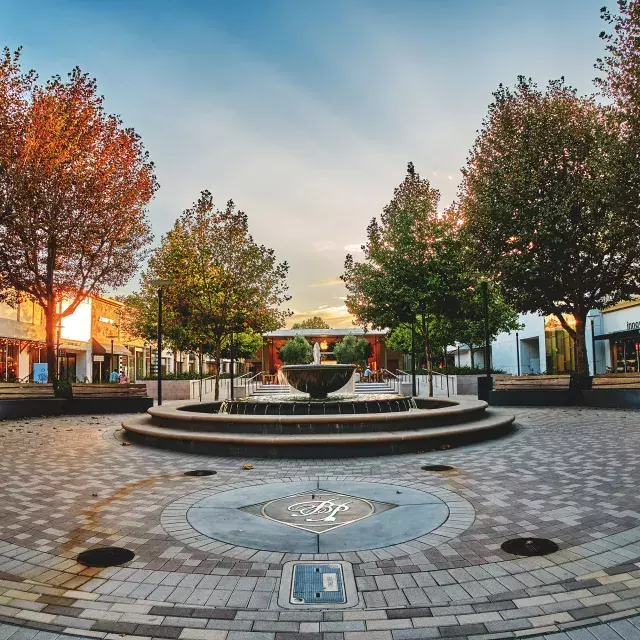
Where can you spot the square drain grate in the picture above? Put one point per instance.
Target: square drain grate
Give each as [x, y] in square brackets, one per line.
[317, 584]
[326, 585]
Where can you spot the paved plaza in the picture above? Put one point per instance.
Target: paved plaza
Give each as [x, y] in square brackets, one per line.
[423, 547]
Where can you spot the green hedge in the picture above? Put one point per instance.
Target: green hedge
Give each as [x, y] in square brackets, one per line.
[460, 371]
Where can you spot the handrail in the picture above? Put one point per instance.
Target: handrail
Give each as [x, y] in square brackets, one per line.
[208, 381]
[251, 384]
[397, 383]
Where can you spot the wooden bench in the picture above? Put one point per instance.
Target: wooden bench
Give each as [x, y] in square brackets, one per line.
[18, 391]
[109, 390]
[518, 383]
[617, 381]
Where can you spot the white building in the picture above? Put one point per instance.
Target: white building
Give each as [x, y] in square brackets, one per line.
[542, 345]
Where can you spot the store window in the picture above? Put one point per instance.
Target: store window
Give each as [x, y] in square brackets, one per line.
[625, 355]
[9, 355]
[559, 346]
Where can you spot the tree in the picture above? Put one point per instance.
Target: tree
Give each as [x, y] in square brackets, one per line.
[621, 65]
[223, 281]
[352, 350]
[413, 266]
[551, 199]
[311, 323]
[74, 185]
[245, 344]
[296, 351]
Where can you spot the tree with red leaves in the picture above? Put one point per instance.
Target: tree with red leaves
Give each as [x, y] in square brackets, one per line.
[74, 186]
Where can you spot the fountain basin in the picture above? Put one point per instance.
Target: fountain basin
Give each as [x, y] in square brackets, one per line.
[318, 380]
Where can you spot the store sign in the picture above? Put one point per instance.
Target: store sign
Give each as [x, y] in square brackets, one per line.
[107, 320]
[98, 358]
[633, 326]
[40, 372]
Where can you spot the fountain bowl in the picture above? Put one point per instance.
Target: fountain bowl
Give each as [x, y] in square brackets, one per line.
[317, 380]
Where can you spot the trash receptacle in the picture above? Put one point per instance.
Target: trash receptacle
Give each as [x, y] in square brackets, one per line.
[484, 386]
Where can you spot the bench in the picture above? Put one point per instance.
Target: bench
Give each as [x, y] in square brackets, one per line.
[518, 383]
[16, 391]
[617, 381]
[109, 390]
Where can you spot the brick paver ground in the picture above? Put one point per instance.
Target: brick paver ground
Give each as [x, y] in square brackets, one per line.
[67, 484]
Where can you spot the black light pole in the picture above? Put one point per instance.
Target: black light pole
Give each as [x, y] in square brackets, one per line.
[413, 359]
[487, 349]
[160, 284]
[231, 368]
[518, 351]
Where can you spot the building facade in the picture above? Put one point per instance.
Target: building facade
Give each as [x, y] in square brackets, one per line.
[268, 360]
[544, 346]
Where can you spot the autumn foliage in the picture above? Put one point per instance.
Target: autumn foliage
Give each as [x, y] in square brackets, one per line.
[74, 185]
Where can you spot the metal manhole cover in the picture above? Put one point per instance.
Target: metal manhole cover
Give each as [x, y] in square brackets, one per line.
[317, 584]
[200, 473]
[529, 546]
[105, 557]
[437, 467]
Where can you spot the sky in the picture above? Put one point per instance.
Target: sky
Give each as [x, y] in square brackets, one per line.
[304, 112]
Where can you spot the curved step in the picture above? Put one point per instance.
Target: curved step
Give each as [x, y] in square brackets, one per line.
[144, 426]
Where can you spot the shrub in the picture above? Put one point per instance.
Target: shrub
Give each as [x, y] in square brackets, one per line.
[296, 351]
[352, 350]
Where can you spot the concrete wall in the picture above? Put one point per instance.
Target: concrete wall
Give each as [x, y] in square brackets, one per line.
[171, 389]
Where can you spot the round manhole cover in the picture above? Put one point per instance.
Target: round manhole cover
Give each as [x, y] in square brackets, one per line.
[437, 467]
[529, 546]
[199, 473]
[105, 557]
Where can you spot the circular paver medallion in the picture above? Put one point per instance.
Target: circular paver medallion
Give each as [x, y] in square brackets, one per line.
[323, 516]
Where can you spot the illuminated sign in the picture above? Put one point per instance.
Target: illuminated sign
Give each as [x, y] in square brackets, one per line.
[633, 326]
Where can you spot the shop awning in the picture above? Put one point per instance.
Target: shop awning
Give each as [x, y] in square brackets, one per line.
[105, 348]
[619, 335]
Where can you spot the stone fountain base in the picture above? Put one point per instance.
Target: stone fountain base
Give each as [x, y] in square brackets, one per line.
[433, 424]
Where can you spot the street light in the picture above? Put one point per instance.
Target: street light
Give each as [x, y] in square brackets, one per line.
[487, 348]
[160, 284]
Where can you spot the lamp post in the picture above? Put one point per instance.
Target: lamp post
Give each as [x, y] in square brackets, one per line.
[231, 368]
[160, 284]
[413, 359]
[487, 348]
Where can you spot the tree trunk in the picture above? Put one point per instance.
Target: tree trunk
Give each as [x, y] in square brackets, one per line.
[427, 345]
[580, 344]
[217, 387]
[472, 354]
[50, 332]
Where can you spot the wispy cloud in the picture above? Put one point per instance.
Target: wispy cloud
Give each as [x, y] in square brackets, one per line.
[336, 317]
[324, 245]
[329, 282]
[353, 248]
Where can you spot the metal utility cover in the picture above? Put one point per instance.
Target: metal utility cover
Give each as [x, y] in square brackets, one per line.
[313, 585]
[317, 584]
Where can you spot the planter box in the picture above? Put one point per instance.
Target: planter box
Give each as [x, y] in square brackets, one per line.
[31, 407]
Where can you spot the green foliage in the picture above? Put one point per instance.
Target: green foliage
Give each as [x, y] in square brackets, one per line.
[296, 351]
[461, 371]
[311, 323]
[245, 344]
[62, 388]
[352, 350]
[223, 281]
[185, 375]
[551, 202]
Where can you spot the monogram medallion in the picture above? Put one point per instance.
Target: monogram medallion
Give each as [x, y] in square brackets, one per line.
[318, 511]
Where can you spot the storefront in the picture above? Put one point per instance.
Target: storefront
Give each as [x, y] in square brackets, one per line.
[559, 345]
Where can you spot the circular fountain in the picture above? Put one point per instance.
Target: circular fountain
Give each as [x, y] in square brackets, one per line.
[316, 421]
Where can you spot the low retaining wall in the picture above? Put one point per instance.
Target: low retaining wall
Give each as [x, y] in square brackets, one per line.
[39, 407]
[603, 398]
[171, 389]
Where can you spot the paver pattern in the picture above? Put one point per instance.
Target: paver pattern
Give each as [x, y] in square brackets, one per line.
[67, 484]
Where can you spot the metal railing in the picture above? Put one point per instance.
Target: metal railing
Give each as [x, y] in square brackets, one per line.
[405, 378]
[445, 381]
[201, 386]
[251, 384]
[393, 379]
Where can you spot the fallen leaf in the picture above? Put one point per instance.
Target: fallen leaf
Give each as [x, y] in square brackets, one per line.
[247, 467]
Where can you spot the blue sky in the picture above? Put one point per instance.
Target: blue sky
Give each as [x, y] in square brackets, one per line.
[305, 112]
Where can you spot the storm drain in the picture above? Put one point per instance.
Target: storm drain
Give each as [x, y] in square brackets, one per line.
[105, 557]
[199, 473]
[529, 546]
[437, 467]
[317, 584]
